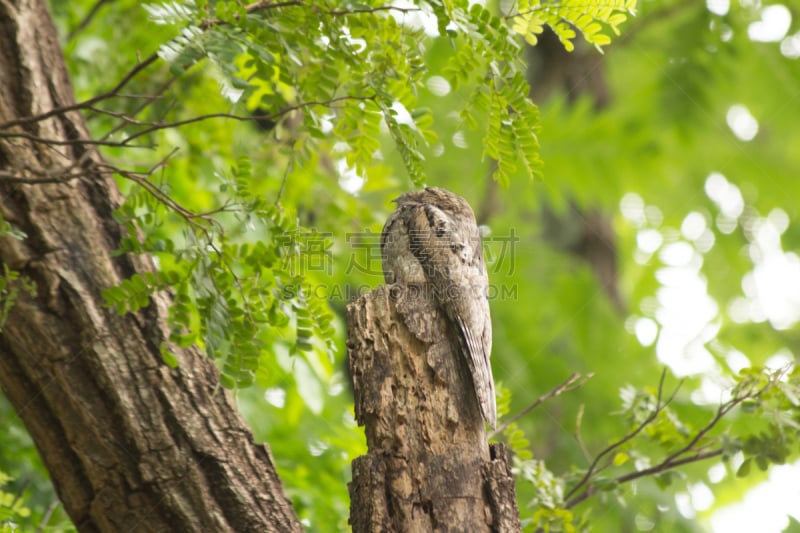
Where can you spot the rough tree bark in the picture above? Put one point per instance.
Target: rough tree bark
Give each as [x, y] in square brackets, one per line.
[429, 467]
[131, 445]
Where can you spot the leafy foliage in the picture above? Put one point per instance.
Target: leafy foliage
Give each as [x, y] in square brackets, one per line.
[231, 296]
[229, 293]
[12, 508]
[589, 17]
[27, 498]
[657, 442]
[500, 94]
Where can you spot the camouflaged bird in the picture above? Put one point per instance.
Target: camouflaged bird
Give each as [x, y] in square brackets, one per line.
[432, 238]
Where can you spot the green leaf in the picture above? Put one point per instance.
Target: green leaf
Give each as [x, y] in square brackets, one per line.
[744, 468]
[169, 358]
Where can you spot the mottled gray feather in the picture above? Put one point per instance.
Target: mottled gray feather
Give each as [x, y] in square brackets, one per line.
[432, 237]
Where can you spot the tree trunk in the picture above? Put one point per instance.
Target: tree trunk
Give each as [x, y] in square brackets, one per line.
[130, 444]
[429, 467]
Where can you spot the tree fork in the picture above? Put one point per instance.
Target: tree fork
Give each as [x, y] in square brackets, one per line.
[130, 444]
[429, 467]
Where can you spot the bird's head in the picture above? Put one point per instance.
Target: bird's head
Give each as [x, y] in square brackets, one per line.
[443, 199]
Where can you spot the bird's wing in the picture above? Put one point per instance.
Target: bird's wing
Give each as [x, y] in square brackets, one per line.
[448, 248]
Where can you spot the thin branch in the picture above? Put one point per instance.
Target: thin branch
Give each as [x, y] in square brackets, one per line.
[265, 4]
[87, 19]
[675, 459]
[64, 174]
[152, 58]
[158, 94]
[75, 170]
[271, 116]
[657, 469]
[116, 114]
[721, 411]
[578, 438]
[257, 6]
[566, 386]
[137, 96]
[346, 12]
[156, 126]
[288, 169]
[68, 142]
[10, 177]
[610, 448]
[49, 513]
[158, 194]
[669, 465]
[82, 105]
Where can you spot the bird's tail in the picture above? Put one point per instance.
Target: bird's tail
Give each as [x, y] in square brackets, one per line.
[480, 369]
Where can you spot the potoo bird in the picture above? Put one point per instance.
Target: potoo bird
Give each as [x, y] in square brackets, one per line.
[432, 239]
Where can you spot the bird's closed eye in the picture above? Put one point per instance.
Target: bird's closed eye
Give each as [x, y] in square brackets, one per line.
[435, 220]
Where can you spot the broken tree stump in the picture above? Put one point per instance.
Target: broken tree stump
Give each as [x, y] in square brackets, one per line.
[429, 466]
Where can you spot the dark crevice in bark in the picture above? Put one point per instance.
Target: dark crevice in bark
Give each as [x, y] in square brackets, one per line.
[17, 382]
[16, 94]
[15, 210]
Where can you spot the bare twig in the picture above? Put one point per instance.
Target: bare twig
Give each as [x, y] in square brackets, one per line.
[87, 19]
[126, 118]
[82, 105]
[693, 451]
[46, 517]
[568, 385]
[158, 94]
[141, 179]
[34, 176]
[156, 126]
[652, 416]
[288, 169]
[578, 438]
[10, 177]
[271, 116]
[68, 142]
[346, 12]
[266, 4]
